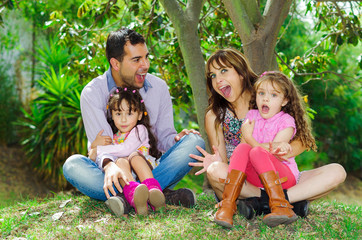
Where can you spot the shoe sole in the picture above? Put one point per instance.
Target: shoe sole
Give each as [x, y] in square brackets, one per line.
[115, 205]
[223, 223]
[194, 197]
[140, 199]
[274, 221]
[157, 199]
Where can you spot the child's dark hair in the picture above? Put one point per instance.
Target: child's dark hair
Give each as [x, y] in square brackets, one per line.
[295, 106]
[135, 103]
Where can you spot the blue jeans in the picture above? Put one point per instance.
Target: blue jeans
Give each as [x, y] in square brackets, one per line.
[84, 174]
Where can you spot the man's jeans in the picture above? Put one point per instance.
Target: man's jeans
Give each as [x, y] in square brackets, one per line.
[85, 175]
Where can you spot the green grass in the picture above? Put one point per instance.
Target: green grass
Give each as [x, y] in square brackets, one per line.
[192, 181]
[85, 218]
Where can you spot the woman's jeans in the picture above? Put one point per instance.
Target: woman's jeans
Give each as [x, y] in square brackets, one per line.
[84, 174]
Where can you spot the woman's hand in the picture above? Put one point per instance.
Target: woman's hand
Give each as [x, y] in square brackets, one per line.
[185, 132]
[101, 140]
[280, 149]
[285, 147]
[112, 174]
[206, 160]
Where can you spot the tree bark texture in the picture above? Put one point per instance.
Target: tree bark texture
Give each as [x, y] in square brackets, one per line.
[257, 32]
[185, 22]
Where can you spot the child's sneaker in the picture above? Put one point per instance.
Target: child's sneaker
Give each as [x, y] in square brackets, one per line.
[156, 197]
[137, 196]
[118, 205]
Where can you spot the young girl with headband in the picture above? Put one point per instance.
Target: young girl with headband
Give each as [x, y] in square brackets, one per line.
[277, 115]
[134, 150]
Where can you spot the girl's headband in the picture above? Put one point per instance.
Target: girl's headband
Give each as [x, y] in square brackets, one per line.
[115, 90]
[266, 72]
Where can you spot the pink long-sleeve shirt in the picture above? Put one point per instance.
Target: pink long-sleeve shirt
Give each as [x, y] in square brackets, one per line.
[265, 131]
[130, 145]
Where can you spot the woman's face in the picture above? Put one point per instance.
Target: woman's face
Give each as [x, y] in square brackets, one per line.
[226, 82]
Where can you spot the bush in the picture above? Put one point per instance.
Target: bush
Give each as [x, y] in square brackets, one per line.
[53, 128]
[9, 105]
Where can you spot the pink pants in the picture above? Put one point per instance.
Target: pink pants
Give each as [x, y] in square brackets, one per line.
[255, 161]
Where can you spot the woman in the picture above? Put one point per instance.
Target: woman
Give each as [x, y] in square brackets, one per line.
[229, 84]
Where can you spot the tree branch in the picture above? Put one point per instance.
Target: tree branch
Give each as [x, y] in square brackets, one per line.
[193, 9]
[152, 12]
[174, 9]
[321, 41]
[342, 76]
[252, 8]
[109, 5]
[240, 18]
[275, 13]
[285, 29]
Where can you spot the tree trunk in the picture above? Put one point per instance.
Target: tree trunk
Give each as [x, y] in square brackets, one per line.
[257, 32]
[185, 23]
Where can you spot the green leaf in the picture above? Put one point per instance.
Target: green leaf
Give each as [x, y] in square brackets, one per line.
[340, 40]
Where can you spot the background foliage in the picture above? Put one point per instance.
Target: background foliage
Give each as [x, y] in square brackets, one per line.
[66, 50]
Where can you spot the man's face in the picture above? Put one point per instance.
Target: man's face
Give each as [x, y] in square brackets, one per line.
[135, 65]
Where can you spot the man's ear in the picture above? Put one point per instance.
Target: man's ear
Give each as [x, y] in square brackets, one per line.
[115, 64]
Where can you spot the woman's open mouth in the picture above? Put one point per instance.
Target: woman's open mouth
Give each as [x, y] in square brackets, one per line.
[226, 90]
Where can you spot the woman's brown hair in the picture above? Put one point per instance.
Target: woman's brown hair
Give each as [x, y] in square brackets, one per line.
[227, 58]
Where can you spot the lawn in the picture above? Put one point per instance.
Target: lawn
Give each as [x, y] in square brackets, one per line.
[69, 216]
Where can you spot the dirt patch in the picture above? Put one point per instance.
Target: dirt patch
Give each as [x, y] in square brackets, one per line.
[17, 181]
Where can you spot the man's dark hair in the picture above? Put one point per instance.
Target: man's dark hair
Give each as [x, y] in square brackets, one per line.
[116, 41]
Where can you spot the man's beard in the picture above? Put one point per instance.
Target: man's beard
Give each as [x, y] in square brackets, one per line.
[127, 80]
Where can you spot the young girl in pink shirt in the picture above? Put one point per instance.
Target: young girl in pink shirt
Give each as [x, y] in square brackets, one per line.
[277, 115]
[133, 149]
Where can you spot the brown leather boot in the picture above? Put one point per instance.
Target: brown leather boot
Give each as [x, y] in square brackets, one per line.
[281, 210]
[232, 189]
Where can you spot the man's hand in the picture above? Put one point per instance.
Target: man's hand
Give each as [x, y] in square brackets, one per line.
[101, 140]
[185, 132]
[112, 175]
[206, 160]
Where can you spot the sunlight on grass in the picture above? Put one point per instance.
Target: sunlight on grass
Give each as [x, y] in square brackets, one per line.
[83, 218]
[193, 182]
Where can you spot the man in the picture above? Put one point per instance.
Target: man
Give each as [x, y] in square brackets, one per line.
[127, 55]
